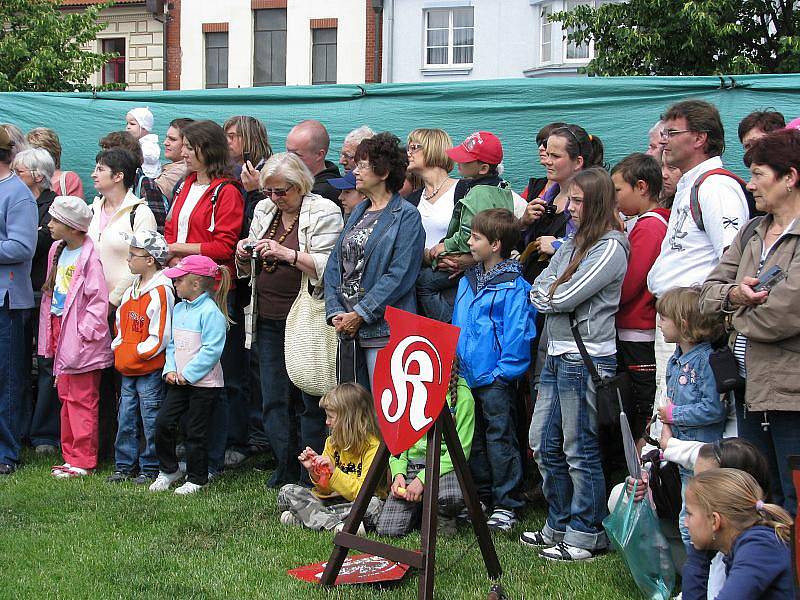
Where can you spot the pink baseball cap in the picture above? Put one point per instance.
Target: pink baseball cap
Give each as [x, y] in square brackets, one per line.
[793, 124]
[196, 264]
[481, 145]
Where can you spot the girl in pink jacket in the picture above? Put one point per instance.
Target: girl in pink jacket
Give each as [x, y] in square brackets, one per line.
[73, 330]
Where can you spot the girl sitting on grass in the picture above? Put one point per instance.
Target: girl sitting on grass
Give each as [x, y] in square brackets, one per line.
[726, 512]
[340, 470]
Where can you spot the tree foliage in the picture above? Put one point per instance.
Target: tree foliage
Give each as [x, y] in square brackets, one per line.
[43, 48]
[684, 37]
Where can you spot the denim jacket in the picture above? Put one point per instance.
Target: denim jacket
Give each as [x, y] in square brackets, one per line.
[698, 411]
[393, 255]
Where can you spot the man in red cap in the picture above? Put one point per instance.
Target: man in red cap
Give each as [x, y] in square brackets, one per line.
[478, 157]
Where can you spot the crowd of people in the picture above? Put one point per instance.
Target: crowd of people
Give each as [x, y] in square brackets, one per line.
[229, 301]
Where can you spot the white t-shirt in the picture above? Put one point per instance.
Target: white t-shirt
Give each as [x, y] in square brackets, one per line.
[192, 198]
[688, 254]
[436, 216]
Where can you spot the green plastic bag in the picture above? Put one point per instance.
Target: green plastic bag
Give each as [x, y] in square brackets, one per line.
[635, 533]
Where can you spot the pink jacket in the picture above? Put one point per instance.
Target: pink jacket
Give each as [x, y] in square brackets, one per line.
[85, 341]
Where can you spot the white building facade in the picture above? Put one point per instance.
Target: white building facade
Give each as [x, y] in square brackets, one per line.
[444, 40]
[245, 43]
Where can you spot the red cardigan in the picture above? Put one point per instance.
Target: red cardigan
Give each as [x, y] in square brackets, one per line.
[637, 306]
[219, 244]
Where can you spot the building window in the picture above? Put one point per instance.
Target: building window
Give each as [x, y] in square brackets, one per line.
[575, 51]
[449, 36]
[269, 48]
[114, 69]
[546, 54]
[323, 55]
[217, 60]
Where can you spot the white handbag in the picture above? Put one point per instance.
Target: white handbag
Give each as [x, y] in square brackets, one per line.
[310, 344]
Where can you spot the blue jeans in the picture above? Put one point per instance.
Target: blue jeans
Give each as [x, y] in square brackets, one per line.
[139, 401]
[13, 380]
[280, 412]
[776, 443]
[564, 438]
[495, 461]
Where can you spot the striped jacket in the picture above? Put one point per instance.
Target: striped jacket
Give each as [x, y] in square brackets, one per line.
[143, 326]
[592, 293]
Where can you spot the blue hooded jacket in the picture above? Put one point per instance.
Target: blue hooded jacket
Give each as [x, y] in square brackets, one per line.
[759, 567]
[497, 324]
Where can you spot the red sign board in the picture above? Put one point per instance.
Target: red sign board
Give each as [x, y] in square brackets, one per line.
[411, 377]
[359, 568]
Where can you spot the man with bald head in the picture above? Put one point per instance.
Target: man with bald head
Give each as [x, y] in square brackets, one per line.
[309, 140]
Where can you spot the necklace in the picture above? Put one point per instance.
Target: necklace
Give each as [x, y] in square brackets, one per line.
[271, 265]
[435, 190]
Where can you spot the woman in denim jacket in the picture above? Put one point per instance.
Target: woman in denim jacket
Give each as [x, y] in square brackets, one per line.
[377, 258]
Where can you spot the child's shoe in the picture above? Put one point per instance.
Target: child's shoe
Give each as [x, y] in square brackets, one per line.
[56, 469]
[164, 480]
[188, 488]
[144, 478]
[71, 473]
[361, 529]
[289, 518]
[567, 553]
[502, 520]
[118, 477]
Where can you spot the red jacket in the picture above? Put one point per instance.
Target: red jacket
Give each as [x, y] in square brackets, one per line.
[218, 244]
[637, 306]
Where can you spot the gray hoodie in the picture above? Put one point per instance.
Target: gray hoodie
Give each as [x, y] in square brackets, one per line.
[592, 292]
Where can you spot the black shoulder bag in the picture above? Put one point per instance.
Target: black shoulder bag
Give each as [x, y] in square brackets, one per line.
[609, 390]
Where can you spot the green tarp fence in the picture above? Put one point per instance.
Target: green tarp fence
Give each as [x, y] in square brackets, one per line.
[620, 110]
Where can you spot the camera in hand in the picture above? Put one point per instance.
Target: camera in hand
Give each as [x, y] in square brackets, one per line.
[769, 279]
[251, 248]
[550, 209]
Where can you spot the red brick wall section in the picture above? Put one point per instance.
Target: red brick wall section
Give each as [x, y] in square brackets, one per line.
[373, 39]
[173, 74]
[258, 4]
[324, 23]
[215, 27]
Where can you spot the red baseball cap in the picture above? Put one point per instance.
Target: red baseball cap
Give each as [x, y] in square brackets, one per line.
[481, 145]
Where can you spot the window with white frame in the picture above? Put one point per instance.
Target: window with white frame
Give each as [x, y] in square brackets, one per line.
[449, 36]
[572, 50]
[546, 52]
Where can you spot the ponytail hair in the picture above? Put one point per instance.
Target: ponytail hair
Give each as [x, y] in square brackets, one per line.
[598, 217]
[219, 290]
[452, 386]
[50, 283]
[580, 143]
[736, 495]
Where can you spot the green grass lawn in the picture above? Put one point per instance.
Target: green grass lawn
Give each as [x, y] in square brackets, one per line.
[89, 539]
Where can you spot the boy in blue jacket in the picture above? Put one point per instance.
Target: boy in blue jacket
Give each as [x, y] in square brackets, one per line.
[494, 348]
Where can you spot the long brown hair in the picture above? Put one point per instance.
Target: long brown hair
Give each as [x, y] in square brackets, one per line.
[598, 217]
[50, 283]
[355, 422]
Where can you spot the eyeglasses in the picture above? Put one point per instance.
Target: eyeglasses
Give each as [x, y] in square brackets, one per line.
[541, 142]
[363, 166]
[670, 133]
[347, 155]
[275, 192]
[413, 148]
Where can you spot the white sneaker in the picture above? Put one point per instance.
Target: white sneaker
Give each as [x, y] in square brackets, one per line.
[164, 480]
[188, 488]
[289, 518]
[361, 529]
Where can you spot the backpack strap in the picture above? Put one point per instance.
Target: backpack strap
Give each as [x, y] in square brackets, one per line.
[748, 231]
[694, 195]
[62, 181]
[650, 213]
[132, 214]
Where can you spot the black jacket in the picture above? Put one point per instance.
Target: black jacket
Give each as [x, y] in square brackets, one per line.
[321, 185]
[43, 240]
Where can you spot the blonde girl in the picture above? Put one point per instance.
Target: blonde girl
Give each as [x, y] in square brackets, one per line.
[192, 370]
[726, 512]
[339, 472]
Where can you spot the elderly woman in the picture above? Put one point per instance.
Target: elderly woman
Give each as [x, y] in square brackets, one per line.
[35, 168]
[378, 255]
[765, 335]
[292, 233]
[64, 183]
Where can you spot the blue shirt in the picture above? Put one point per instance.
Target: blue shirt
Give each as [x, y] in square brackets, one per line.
[64, 272]
[19, 221]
